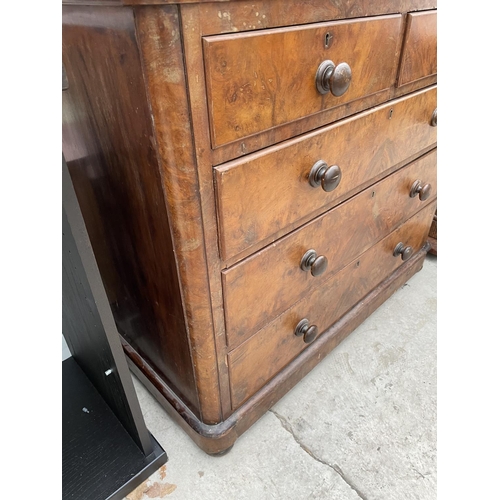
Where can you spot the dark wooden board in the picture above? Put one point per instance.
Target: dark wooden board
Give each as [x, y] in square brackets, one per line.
[100, 459]
[88, 325]
[108, 142]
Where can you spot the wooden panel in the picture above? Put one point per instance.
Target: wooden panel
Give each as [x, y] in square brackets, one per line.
[112, 160]
[195, 80]
[419, 56]
[253, 363]
[414, 86]
[267, 191]
[244, 15]
[253, 143]
[161, 48]
[317, 10]
[229, 16]
[262, 286]
[256, 81]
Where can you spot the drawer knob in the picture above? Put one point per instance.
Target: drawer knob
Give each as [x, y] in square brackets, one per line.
[334, 79]
[434, 118]
[323, 175]
[309, 332]
[405, 252]
[313, 262]
[423, 190]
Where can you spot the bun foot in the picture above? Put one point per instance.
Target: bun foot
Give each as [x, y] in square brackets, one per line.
[221, 453]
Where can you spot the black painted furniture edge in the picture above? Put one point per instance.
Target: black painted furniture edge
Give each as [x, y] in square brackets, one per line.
[88, 324]
[90, 332]
[100, 459]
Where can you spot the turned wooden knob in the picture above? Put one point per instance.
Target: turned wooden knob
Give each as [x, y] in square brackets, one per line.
[323, 175]
[306, 330]
[423, 190]
[434, 118]
[405, 251]
[333, 78]
[313, 262]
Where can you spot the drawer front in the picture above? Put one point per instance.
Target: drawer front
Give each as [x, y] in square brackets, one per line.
[419, 58]
[261, 79]
[262, 286]
[256, 361]
[267, 191]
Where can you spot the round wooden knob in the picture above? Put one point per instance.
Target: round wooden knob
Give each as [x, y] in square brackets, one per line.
[313, 262]
[305, 330]
[434, 118]
[323, 175]
[405, 251]
[333, 78]
[423, 190]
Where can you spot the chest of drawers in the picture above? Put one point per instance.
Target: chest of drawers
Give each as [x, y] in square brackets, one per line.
[256, 179]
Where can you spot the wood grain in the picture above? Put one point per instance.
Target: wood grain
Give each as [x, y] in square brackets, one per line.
[161, 49]
[264, 285]
[339, 9]
[256, 81]
[107, 133]
[245, 15]
[419, 54]
[220, 437]
[303, 125]
[142, 154]
[413, 86]
[253, 363]
[195, 78]
[267, 191]
[100, 3]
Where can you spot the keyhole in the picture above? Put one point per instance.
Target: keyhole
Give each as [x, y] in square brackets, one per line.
[390, 113]
[328, 40]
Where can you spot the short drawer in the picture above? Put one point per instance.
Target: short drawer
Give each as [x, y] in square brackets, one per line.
[258, 80]
[261, 357]
[419, 54]
[261, 287]
[267, 191]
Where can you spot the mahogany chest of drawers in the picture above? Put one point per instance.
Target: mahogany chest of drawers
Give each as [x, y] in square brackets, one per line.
[256, 177]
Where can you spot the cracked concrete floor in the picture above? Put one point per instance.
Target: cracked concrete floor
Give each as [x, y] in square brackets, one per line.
[362, 424]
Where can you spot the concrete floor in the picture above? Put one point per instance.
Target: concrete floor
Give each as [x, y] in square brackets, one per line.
[362, 424]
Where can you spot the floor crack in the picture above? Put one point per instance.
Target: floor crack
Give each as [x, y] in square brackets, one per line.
[348, 480]
[286, 425]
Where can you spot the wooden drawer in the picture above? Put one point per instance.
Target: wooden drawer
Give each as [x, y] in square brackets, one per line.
[265, 192]
[262, 286]
[419, 57]
[261, 79]
[261, 357]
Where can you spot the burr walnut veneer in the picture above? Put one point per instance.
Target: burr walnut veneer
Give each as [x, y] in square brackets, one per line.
[256, 179]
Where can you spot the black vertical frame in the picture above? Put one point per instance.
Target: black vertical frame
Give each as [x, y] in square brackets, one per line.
[88, 325]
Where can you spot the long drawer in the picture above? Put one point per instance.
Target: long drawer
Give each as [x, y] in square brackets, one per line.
[262, 286]
[258, 80]
[261, 357]
[268, 191]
